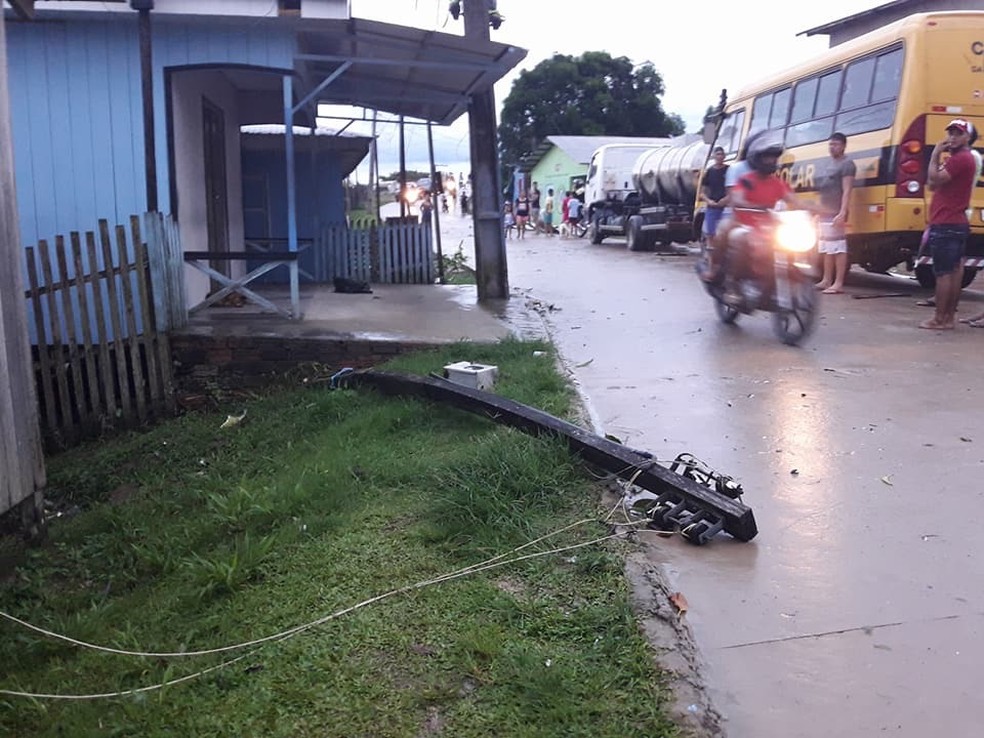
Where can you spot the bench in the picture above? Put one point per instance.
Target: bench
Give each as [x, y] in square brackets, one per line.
[201, 260]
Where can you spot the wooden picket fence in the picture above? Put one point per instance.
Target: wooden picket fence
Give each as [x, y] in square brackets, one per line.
[102, 359]
[400, 253]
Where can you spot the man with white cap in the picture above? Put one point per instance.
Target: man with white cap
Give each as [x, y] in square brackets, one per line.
[952, 184]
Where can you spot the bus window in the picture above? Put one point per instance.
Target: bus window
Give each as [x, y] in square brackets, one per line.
[780, 108]
[869, 118]
[809, 131]
[760, 112]
[888, 75]
[803, 97]
[857, 83]
[827, 92]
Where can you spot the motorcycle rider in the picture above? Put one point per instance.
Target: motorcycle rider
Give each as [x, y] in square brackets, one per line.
[756, 192]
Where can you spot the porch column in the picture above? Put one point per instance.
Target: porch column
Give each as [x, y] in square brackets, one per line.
[295, 297]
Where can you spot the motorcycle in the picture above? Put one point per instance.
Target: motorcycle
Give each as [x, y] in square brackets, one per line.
[763, 273]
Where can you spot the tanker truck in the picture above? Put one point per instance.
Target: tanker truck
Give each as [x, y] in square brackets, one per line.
[653, 201]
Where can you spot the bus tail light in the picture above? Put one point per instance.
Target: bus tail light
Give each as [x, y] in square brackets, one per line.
[910, 166]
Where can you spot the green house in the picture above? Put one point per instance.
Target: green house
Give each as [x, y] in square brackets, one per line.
[561, 162]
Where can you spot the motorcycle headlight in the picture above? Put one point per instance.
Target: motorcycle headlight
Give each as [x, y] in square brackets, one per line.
[795, 231]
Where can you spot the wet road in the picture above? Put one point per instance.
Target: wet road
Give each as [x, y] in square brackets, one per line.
[859, 608]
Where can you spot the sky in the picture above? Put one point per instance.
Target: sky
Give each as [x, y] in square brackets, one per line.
[699, 49]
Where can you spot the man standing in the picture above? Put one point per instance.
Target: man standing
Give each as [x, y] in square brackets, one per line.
[835, 182]
[948, 225]
[548, 211]
[713, 192]
[535, 207]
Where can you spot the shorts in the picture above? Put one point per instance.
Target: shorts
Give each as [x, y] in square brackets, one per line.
[712, 219]
[548, 219]
[947, 244]
[573, 219]
[832, 239]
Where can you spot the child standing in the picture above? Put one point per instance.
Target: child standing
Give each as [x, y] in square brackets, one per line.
[508, 221]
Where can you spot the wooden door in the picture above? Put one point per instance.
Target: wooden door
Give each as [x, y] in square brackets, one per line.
[216, 190]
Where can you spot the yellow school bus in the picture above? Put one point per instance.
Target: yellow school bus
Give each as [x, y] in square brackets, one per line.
[891, 92]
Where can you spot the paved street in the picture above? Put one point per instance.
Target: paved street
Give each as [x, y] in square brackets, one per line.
[858, 610]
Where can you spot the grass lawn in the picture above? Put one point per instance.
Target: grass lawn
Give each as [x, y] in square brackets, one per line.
[192, 537]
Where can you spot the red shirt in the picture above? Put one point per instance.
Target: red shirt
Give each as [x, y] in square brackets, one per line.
[759, 192]
[950, 200]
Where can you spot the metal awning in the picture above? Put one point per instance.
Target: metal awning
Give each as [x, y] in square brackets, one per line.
[397, 69]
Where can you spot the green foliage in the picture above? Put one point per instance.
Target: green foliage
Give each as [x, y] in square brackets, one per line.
[318, 501]
[412, 175]
[592, 95]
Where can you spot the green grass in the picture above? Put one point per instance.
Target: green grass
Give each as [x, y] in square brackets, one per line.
[194, 537]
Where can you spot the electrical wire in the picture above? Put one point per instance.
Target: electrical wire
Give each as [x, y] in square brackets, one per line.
[493, 563]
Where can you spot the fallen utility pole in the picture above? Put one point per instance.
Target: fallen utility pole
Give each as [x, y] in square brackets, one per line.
[687, 496]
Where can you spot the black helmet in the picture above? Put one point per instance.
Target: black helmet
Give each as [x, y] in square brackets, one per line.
[764, 150]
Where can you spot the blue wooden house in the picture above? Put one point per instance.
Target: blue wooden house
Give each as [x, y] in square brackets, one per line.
[81, 102]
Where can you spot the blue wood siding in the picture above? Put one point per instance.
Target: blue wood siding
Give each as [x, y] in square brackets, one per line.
[182, 44]
[78, 116]
[75, 100]
[320, 198]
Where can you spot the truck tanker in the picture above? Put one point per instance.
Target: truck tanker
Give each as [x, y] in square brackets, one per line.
[654, 199]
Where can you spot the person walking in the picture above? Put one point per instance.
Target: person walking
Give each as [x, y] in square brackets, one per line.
[951, 182]
[835, 180]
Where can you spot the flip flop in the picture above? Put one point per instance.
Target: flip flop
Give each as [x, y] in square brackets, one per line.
[926, 303]
[975, 323]
[833, 291]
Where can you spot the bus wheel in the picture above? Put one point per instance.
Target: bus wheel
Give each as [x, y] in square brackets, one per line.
[926, 278]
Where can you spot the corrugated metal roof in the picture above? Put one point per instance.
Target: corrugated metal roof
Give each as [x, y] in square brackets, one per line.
[828, 28]
[349, 149]
[276, 129]
[398, 69]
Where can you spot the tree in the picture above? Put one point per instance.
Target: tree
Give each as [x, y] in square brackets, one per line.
[589, 95]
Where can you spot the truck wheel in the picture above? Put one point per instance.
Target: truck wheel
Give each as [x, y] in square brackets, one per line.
[594, 232]
[633, 234]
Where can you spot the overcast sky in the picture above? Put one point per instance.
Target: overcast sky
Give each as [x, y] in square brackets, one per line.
[698, 48]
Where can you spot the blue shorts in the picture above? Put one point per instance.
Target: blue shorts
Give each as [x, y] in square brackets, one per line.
[712, 218]
[946, 244]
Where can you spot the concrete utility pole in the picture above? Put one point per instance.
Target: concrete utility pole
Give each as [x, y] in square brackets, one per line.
[490, 246]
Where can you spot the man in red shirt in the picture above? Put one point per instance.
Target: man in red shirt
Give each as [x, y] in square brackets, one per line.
[952, 184]
[759, 189]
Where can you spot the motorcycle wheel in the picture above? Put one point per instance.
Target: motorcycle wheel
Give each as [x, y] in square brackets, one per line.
[726, 313]
[792, 326]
